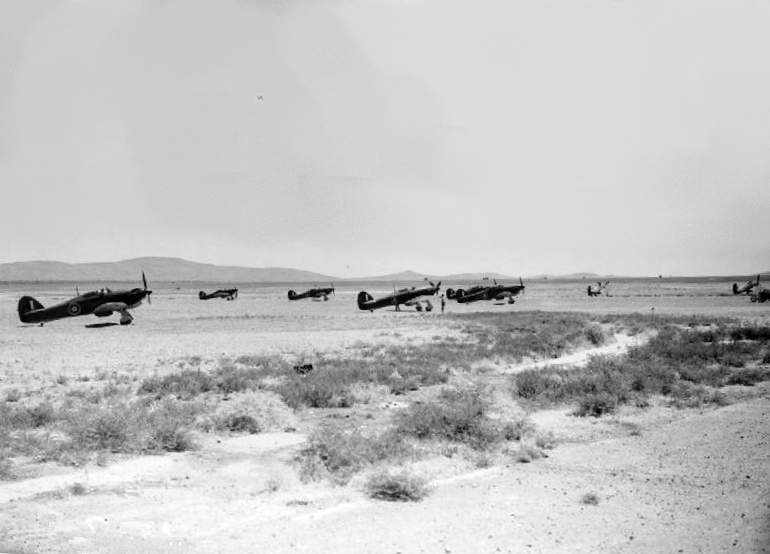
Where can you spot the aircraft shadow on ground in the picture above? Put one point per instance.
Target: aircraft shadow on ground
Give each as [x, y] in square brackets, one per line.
[101, 325]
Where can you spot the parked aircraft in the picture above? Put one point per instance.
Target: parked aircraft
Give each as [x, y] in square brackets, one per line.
[747, 287]
[227, 294]
[314, 293]
[487, 292]
[762, 295]
[406, 297]
[101, 303]
[598, 288]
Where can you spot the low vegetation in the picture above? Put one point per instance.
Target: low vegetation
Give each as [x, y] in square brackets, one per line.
[73, 430]
[399, 369]
[456, 415]
[338, 452]
[400, 485]
[688, 361]
[455, 418]
[687, 365]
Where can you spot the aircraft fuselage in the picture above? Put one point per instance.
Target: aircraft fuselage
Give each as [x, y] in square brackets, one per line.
[367, 302]
[100, 303]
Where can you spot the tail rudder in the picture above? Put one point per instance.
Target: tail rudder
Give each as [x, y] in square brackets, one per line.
[26, 305]
[363, 297]
[292, 295]
[450, 293]
[735, 288]
[202, 295]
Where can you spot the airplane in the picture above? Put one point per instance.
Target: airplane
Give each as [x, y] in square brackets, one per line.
[763, 295]
[598, 288]
[227, 294]
[315, 293]
[486, 292]
[406, 296]
[747, 287]
[101, 303]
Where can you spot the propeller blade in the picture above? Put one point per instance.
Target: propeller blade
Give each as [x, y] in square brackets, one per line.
[148, 292]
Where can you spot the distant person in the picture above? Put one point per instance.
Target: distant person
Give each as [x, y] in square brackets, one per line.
[443, 303]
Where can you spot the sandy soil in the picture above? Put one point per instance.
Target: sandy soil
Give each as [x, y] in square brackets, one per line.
[665, 480]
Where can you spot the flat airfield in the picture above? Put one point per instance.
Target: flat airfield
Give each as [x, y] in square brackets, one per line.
[667, 480]
[263, 321]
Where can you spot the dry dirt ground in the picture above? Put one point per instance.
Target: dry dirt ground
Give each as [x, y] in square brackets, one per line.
[657, 480]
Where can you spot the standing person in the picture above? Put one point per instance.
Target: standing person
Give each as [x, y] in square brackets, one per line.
[443, 302]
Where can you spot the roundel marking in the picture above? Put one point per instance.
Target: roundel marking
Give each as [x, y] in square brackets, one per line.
[74, 308]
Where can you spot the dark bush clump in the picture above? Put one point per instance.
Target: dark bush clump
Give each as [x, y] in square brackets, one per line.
[748, 376]
[185, 385]
[596, 405]
[340, 452]
[399, 486]
[457, 415]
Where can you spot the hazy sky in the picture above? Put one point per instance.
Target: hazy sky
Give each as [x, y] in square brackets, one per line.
[365, 137]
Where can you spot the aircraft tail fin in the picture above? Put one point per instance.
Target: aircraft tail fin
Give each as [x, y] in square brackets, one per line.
[26, 305]
[735, 288]
[363, 297]
[292, 294]
[202, 295]
[450, 293]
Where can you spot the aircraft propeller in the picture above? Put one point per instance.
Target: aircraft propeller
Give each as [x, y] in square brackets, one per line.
[149, 292]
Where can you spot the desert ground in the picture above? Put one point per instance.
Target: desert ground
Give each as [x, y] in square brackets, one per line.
[653, 479]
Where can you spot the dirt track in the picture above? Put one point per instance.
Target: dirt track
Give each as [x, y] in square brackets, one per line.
[683, 482]
[665, 480]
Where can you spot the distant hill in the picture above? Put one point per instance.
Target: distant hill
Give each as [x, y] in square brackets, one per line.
[477, 277]
[156, 269]
[176, 269]
[414, 276]
[570, 276]
[401, 276]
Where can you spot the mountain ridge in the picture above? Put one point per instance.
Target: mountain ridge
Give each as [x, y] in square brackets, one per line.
[159, 269]
[171, 269]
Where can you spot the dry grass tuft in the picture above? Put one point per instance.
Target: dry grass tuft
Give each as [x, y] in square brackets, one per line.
[396, 486]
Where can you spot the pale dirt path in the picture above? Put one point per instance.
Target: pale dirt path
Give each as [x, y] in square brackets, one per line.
[619, 345]
[700, 483]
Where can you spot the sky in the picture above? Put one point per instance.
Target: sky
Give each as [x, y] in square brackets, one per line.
[626, 137]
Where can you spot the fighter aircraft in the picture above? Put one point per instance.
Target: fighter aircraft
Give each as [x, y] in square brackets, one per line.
[314, 293]
[227, 294]
[406, 297]
[101, 303]
[747, 287]
[598, 288]
[487, 292]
